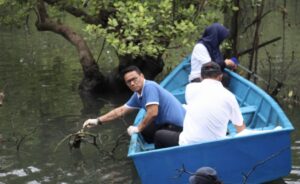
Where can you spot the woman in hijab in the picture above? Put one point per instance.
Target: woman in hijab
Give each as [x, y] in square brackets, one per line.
[208, 49]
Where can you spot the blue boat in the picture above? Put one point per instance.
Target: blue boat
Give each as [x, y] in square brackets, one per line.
[254, 158]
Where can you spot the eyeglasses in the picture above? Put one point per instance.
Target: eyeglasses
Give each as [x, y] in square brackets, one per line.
[134, 80]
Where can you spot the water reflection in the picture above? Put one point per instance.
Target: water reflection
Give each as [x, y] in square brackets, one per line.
[42, 106]
[36, 162]
[293, 114]
[21, 172]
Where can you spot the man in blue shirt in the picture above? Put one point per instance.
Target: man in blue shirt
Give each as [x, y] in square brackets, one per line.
[163, 110]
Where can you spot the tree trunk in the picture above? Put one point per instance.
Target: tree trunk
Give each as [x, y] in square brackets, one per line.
[234, 28]
[231, 21]
[254, 54]
[149, 66]
[92, 80]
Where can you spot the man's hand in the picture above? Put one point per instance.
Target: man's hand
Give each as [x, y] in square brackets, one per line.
[132, 130]
[90, 123]
[230, 64]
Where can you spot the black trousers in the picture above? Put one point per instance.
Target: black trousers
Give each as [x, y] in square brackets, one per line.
[163, 135]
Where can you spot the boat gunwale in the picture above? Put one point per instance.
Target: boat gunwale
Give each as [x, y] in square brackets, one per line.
[227, 139]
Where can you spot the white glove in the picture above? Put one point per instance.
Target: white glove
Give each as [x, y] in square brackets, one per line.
[132, 129]
[90, 123]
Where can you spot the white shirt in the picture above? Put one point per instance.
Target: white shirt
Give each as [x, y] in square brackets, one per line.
[200, 56]
[209, 108]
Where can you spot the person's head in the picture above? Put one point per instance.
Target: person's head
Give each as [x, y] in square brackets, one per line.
[211, 70]
[133, 78]
[205, 175]
[216, 33]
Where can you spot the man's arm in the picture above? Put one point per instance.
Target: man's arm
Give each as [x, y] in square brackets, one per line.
[240, 128]
[115, 113]
[151, 114]
[111, 115]
[190, 92]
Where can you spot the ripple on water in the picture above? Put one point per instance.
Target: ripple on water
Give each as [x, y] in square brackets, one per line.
[16, 172]
[33, 182]
[21, 172]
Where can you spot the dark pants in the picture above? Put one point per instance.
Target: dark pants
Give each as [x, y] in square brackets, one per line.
[166, 138]
[163, 135]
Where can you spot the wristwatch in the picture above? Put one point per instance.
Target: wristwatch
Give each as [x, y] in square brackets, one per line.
[99, 122]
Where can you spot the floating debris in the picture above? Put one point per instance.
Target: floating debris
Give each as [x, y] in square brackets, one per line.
[77, 138]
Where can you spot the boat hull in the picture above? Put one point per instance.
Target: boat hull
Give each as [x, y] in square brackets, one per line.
[254, 159]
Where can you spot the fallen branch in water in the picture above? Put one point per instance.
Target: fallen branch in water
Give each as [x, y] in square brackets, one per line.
[22, 139]
[75, 139]
[118, 141]
[4, 167]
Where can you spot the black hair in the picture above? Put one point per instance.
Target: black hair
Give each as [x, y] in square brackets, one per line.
[130, 69]
[210, 70]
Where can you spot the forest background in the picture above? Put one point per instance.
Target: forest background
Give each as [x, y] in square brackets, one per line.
[151, 34]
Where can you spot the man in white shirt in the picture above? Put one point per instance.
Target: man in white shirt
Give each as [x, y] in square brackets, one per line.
[209, 108]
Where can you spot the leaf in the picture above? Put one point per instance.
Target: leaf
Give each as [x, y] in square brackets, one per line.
[290, 93]
[235, 8]
[141, 8]
[2, 2]
[113, 22]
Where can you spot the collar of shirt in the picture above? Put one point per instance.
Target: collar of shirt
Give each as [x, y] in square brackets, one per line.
[141, 95]
[211, 81]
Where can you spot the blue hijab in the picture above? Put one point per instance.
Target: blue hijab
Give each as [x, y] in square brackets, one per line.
[212, 37]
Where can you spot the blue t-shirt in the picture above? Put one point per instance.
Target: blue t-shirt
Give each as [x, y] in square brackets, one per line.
[170, 109]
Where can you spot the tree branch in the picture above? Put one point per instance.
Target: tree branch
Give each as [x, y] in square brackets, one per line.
[256, 20]
[89, 66]
[46, 24]
[259, 46]
[101, 18]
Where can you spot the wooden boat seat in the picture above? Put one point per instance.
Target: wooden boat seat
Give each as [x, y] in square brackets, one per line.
[179, 94]
[248, 113]
[248, 109]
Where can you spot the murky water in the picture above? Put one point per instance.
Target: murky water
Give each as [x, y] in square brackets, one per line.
[42, 106]
[294, 115]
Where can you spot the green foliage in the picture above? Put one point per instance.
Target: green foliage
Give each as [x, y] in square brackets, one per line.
[134, 27]
[14, 12]
[145, 28]
[256, 2]
[229, 4]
